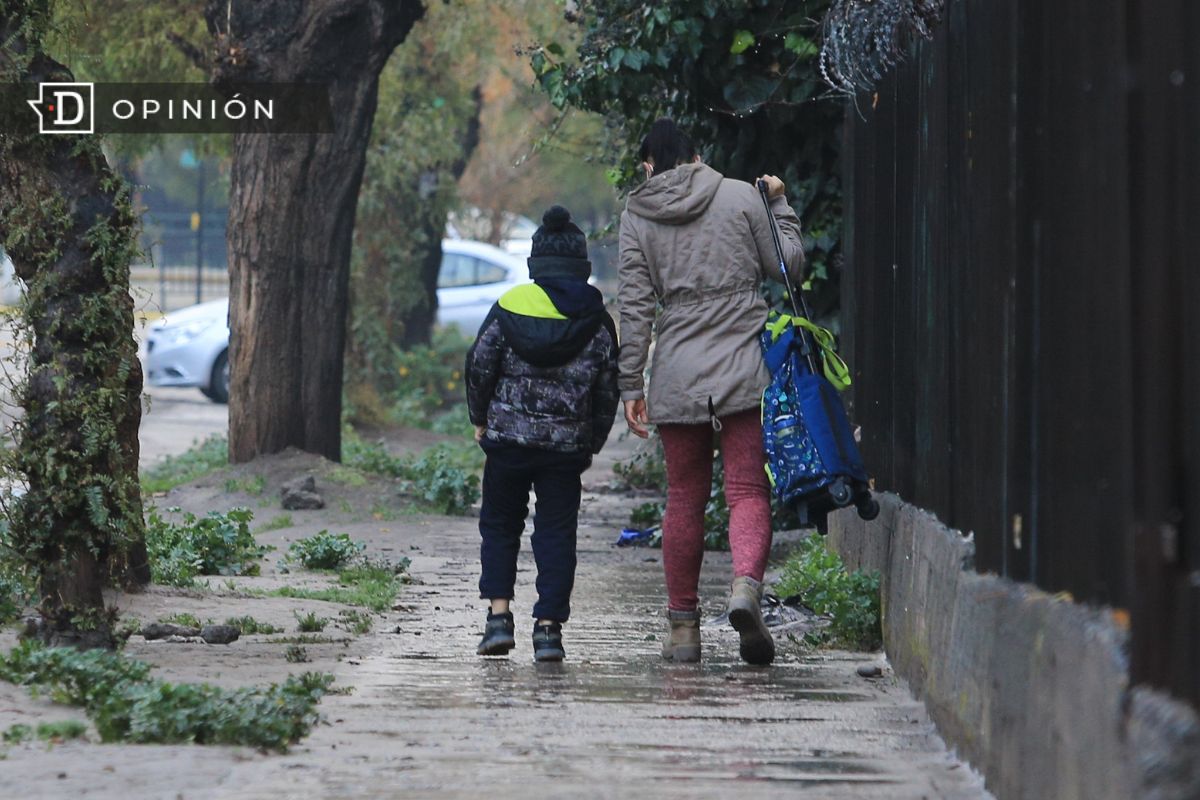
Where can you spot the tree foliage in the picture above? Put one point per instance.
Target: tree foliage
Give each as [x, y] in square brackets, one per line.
[458, 122]
[741, 76]
[426, 128]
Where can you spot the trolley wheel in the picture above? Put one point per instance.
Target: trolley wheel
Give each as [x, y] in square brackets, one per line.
[840, 493]
[868, 508]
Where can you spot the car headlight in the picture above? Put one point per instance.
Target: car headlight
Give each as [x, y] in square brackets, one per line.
[184, 333]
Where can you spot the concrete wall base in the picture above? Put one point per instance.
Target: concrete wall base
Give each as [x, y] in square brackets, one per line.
[1032, 689]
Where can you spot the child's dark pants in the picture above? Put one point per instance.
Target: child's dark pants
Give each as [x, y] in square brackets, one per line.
[509, 473]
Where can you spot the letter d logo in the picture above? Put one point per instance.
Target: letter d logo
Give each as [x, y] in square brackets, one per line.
[65, 107]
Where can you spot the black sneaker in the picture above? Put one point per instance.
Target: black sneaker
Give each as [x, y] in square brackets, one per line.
[497, 635]
[547, 642]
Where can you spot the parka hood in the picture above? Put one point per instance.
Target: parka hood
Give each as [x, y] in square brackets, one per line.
[537, 329]
[676, 196]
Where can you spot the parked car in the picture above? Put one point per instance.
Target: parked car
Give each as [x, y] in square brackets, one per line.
[190, 347]
[10, 284]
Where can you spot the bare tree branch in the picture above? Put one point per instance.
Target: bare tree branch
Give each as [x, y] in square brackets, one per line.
[190, 51]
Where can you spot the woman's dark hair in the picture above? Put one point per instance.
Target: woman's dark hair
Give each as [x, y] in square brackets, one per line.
[666, 146]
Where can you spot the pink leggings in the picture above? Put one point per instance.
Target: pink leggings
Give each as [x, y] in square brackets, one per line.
[689, 453]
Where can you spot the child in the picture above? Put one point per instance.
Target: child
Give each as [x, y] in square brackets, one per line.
[542, 394]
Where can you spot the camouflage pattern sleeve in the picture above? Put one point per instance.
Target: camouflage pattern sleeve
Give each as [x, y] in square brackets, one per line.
[606, 396]
[483, 369]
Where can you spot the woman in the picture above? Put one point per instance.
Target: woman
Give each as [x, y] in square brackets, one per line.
[699, 245]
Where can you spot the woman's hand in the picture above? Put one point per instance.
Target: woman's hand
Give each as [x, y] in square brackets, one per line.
[635, 417]
[775, 187]
[479, 431]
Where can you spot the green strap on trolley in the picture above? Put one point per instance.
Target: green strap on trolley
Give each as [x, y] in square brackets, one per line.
[835, 369]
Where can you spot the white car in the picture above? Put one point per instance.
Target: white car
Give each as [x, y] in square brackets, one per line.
[190, 347]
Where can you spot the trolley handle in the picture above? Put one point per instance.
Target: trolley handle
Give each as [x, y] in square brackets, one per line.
[795, 293]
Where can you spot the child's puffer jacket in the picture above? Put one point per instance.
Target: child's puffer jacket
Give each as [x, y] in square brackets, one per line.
[538, 378]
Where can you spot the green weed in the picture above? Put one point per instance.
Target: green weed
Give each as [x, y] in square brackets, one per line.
[347, 476]
[250, 626]
[647, 515]
[254, 485]
[357, 622]
[16, 591]
[61, 731]
[850, 600]
[325, 550]
[646, 470]
[127, 705]
[310, 622]
[185, 619]
[295, 654]
[441, 480]
[217, 544]
[15, 734]
[372, 585]
[307, 638]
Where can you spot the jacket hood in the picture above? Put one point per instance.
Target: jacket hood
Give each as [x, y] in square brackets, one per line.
[676, 196]
[538, 331]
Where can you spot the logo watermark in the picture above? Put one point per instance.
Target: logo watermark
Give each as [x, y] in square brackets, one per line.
[65, 108]
[162, 108]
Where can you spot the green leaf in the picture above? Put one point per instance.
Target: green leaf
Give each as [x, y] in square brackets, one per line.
[800, 45]
[555, 49]
[636, 59]
[742, 41]
[615, 56]
[747, 95]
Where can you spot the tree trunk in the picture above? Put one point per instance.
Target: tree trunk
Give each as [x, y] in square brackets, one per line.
[416, 326]
[68, 225]
[291, 212]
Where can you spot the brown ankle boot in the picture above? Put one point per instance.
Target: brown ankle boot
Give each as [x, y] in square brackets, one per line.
[683, 641]
[745, 614]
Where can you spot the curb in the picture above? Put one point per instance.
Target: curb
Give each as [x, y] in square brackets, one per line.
[1031, 688]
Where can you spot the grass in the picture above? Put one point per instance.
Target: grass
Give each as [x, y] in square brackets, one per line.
[185, 619]
[346, 476]
[296, 654]
[249, 626]
[307, 638]
[443, 479]
[383, 513]
[254, 485]
[310, 622]
[276, 523]
[850, 599]
[357, 622]
[372, 585]
[61, 731]
[203, 458]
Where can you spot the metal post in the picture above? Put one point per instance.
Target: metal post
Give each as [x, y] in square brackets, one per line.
[200, 174]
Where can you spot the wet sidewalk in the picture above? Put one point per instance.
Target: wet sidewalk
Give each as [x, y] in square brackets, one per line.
[428, 718]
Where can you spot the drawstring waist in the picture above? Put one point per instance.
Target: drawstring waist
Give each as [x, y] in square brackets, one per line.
[688, 298]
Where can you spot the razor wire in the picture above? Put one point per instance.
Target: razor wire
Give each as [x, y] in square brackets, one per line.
[864, 39]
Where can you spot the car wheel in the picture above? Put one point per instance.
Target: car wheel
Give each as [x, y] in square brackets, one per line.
[218, 385]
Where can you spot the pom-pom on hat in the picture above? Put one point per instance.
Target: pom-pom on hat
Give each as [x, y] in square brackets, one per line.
[558, 236]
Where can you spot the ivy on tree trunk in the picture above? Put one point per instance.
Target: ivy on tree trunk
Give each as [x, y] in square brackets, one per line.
[292, 209]
[68, 225]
